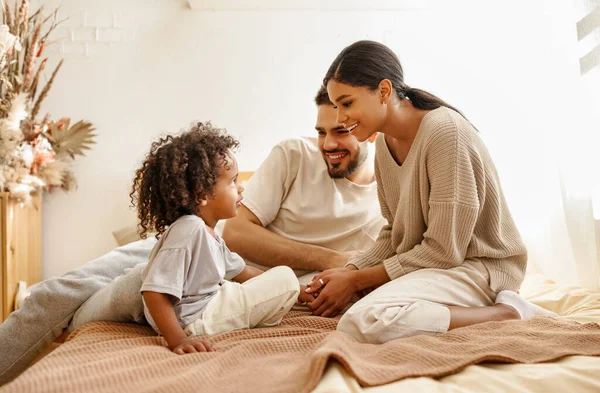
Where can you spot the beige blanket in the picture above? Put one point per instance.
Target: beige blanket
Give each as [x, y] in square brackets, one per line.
[108, 357]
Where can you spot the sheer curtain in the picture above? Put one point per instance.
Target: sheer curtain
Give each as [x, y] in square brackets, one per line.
[581, 181]
[568, 246]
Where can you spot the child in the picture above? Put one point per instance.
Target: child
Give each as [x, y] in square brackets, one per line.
[186, 184]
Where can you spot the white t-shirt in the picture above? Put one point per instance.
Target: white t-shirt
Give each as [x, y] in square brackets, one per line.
[190, 265]
[293, 195]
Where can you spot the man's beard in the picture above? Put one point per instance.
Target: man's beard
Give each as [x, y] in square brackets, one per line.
[336, 171]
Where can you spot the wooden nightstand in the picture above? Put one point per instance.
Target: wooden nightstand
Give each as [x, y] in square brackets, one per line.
[21, 248]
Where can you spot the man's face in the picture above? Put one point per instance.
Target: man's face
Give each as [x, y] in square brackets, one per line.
[342, 153]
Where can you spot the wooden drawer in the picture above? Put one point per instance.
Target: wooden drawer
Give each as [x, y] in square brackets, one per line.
[21, 248]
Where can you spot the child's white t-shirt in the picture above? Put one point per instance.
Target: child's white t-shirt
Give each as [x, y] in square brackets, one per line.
[190, 265]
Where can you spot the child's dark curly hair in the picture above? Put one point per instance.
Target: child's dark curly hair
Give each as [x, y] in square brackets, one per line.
[178, 172]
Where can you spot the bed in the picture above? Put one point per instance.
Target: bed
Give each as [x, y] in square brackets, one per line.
[568, 374]
[306, 354]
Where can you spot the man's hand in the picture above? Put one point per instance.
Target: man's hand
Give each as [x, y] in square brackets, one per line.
[335, 292]
[192, 345]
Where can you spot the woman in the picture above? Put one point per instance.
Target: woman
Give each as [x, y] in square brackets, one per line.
[451, 255]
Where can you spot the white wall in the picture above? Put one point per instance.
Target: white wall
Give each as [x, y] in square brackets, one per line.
[140, 68]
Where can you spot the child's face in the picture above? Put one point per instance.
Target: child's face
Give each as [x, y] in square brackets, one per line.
[227, 193]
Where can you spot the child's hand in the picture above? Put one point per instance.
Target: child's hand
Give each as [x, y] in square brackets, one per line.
[304, 297]
[192, 345]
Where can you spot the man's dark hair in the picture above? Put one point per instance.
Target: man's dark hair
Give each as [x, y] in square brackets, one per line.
[322, 98]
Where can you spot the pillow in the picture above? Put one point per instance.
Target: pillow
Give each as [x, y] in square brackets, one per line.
[126, 235]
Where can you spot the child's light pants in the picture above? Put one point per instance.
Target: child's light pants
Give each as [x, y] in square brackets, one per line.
[260, 301]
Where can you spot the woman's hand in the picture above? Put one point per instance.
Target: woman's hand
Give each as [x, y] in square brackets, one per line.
[327, 272]
[335, 288]
[192, 345]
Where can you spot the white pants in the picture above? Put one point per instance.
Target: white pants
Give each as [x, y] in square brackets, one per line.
[417, 303]
[260, 301]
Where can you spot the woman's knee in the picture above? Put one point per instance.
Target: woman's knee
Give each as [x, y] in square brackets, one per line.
[381, 323]
[360, 324]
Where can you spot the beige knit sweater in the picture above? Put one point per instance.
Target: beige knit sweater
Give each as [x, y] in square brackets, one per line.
[444, 205]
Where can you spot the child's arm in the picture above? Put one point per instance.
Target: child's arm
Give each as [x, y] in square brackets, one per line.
[246, 274]
[161, 309]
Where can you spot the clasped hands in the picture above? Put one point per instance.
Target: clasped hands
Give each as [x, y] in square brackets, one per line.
[330, 291]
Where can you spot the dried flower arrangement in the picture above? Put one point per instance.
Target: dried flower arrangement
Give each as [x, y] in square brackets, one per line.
[35, 155]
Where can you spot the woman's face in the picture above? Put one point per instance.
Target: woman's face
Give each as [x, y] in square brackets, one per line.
[359, 109]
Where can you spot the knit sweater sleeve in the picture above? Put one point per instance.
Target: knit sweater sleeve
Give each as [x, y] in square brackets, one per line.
[455, 173]
[382, 248]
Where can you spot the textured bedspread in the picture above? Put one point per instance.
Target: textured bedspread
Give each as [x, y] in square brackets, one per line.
[109, 357]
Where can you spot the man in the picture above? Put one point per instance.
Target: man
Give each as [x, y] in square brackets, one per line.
[308, 206]
[311, 203]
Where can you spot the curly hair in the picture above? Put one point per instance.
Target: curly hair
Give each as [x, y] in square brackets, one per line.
[178, 171]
